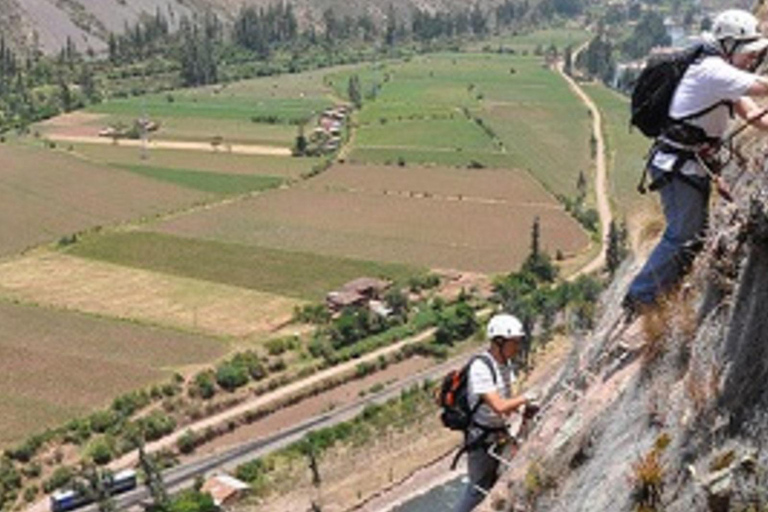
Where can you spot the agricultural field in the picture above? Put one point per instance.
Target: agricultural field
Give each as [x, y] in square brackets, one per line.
[206, 130]
[419, 227]
[66, 282]
[626, 153]
[45, 195]
[208, 161]
[473, 110]
[297, 275]
[484, 185]
[259, 111]
[55, 366]
[213, 182]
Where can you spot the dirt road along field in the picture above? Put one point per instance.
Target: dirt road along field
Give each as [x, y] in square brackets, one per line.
[237, 149]
[601, 177]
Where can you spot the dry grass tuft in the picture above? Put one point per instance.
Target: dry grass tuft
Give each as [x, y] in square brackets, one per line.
[701, 386]
[537, 482]
[648, 481]
[656, 322]
[722, 460]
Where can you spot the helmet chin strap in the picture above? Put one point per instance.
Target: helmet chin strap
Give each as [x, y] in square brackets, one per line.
[728, 46]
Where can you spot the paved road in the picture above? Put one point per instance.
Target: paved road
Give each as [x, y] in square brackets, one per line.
[184, 476]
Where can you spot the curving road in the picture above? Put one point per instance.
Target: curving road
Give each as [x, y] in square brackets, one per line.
[601, 175]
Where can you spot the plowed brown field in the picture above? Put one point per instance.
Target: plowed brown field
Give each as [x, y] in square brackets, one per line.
[484, 185]
[55, 365]
[45, 195]
[487, 232]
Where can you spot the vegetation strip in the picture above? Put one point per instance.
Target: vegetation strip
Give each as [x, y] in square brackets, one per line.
[217, 183]
[294, 274]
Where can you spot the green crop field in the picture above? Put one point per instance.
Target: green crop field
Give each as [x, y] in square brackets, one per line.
[214, 162]
[212, 106]
[293, 274]
[215, 182]
[626, 151]
[455, 135]
[530, 118]
[55, 365]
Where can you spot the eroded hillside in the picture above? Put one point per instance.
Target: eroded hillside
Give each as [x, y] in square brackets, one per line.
[48, 23]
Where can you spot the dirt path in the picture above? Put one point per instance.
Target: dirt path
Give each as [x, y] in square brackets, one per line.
[601, 176]
[237, 149]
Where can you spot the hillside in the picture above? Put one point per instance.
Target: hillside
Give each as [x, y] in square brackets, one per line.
[88, 22]
[669, 415]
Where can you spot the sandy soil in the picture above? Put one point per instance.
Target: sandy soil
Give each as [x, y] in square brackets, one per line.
[238, 149]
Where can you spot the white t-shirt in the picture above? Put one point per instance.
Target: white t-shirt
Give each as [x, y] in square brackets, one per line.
[705, 83]
[480, 383]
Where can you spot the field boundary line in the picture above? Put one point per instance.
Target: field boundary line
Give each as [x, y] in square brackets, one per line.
[237, 149]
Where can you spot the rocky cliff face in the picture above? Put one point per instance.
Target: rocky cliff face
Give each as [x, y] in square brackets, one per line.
[671, 415]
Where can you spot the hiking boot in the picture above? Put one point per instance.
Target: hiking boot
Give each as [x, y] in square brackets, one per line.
[631, 309]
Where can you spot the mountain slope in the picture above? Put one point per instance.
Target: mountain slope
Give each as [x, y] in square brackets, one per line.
[48, 23]
[670, 414]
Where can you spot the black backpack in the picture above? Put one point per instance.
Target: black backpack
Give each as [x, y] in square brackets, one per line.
[655, 87]
[453, 398]
[456, 413]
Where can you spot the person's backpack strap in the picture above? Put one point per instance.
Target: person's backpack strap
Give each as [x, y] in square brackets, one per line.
[486, 431]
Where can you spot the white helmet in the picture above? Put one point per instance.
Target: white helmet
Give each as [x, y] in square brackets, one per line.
[738, 31]
[504, 325]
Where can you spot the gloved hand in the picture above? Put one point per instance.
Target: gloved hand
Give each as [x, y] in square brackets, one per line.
[531, 407]
[531, 396]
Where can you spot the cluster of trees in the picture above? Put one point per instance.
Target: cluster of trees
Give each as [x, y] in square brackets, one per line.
[598, 59]
[33, 87]
[426, 26]
[260, 30]
[234, 373]
[509, 11]
[455, 322]
[146, 38]
[565, 8]
[534, 296]
[649, 32]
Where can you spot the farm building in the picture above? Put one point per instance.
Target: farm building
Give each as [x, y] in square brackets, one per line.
[224, 489]
[359, 292]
